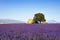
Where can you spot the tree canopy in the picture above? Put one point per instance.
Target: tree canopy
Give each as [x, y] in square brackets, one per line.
[38, 18]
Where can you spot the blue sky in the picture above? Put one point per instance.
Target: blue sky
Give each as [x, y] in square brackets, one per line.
[24, 9]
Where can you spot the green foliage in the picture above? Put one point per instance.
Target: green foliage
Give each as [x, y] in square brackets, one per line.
[38, 18]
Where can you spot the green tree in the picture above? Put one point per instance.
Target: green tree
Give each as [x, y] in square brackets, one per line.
[38, 18]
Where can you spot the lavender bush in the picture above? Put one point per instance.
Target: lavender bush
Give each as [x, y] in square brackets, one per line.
[29, 32]
[33, 36]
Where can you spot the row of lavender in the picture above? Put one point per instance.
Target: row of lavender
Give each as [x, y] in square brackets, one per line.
[30, 32]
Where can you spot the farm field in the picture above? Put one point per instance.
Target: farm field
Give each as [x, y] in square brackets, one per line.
[29, 31]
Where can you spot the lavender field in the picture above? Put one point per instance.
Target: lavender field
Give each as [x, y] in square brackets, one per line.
[29, 31]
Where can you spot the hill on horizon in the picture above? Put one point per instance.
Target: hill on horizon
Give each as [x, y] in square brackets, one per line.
[6, 21]
[52, 21]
